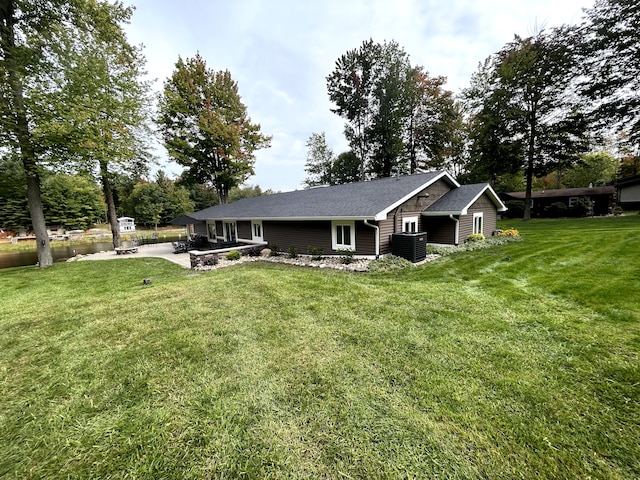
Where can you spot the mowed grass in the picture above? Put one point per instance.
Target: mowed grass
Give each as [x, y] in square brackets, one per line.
[520, 361]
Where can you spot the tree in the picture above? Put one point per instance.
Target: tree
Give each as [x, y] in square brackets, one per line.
[346, 168]
[594, 169]
[398, 117]
[41, 43]
[524, 117]
[240, 192]
[110, 112]
[206, 128]
[320, 160]
[434, 125]
[14, 214]
[610, 52]
[73, 201]
[147, 200]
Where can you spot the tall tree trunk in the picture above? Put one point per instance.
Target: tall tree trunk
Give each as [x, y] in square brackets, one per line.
[20, 127]
[111, 205]
[531, 151]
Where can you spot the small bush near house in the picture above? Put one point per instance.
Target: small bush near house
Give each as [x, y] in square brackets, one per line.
[233, 255]
[617, 211]
[274, 250]
[389, 263]
[346, 256]
[315, 252]
[475, 237]
[293, 252]
[210, 260]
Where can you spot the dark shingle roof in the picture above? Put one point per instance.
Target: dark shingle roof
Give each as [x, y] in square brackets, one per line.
[458, 200]
[354, 200]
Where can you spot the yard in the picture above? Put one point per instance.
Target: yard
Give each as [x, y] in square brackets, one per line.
[519, 361]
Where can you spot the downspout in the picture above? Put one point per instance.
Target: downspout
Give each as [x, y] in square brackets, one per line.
[457, 230]
[377, 236]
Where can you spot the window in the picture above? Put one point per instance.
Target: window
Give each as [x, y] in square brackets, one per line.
[573, 201]
[477, 222]
[410, 224]
[230, 231]
[343, 235]
[211, 230]
[256, 231]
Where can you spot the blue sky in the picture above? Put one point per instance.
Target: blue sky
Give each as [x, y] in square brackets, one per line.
[281, 51]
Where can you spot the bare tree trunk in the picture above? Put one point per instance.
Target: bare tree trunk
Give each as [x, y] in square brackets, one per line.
[111, 205]
[20, 127]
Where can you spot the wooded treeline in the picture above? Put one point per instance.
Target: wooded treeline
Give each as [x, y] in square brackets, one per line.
[543, 110]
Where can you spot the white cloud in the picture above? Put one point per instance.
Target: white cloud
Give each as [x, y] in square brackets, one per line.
[281, 51]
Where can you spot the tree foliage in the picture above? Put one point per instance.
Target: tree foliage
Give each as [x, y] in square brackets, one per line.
[320, 159]
[73, 201]
[398, 118]
[206, 128]
[610, 66]
[522, 118]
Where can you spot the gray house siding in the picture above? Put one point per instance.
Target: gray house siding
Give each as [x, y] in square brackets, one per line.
[243, 229]
[484, 205]
[411, 208]
[200, 229]
[300, 234]
[314, 234]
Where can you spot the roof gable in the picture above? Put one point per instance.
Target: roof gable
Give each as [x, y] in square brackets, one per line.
[459, 200]
[361, 200]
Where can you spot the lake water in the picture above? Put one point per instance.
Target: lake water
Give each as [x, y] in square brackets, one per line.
[62, 252]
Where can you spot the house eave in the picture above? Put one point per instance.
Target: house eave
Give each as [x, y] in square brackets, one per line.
[289, 219]
[382, 215]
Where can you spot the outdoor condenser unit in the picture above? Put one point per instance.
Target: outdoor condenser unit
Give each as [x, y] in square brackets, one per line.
[412, 246]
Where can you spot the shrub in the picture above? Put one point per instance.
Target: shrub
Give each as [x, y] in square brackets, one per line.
[315, 252]
[293, 252]
[254, 252]
[509, 232]
[347, 256]
[389, 263]
[210, 260]
[617, 210]
[274, 250]
[475, 237]
[233, 255]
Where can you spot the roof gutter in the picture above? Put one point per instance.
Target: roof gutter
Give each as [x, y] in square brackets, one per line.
[377, 236]
[456, 236]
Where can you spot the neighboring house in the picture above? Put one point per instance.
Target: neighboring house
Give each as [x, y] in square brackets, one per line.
[599, 198]
[127, 224]
[629, 192]
[358, 216]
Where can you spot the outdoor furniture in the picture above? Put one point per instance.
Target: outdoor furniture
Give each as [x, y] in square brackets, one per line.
[125, 250]
[179, 247]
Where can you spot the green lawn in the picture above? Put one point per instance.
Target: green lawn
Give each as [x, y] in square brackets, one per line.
[520, 361]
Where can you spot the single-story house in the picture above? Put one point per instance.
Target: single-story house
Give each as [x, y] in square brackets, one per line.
[600, 199]
[361, 217]
[127, 224]
[629, 192]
